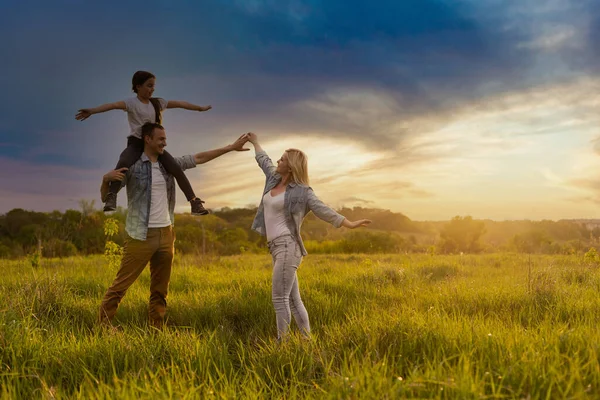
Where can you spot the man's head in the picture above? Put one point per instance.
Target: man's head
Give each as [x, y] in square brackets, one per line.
[154, 137]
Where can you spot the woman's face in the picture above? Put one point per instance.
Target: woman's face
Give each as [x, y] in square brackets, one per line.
[283, 167]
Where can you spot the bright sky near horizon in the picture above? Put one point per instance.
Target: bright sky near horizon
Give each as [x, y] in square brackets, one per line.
[432, 108]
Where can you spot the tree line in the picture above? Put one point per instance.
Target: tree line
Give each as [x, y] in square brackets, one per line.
[227, 231]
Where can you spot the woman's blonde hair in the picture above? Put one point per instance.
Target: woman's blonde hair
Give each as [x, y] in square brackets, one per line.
[298, 163]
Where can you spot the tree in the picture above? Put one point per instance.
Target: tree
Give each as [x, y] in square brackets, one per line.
[371, 242]
[234, 241]
[87, 207]
[530, 242]
[462, 234]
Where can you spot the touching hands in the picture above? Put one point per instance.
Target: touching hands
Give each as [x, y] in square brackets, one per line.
[238, 145]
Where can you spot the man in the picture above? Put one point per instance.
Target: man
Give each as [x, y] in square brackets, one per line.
[149, 224]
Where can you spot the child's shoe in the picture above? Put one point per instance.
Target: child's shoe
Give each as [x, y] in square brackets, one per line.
[197, 207]
[111, 202]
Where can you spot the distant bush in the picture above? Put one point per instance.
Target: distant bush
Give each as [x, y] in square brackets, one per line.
[371, 242]
[462, 234]
[324, 247]
[58, 248]
[5, 251]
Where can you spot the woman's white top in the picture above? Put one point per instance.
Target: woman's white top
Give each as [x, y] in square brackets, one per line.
[274, 216]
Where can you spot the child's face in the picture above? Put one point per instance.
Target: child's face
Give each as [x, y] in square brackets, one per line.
[147, 88]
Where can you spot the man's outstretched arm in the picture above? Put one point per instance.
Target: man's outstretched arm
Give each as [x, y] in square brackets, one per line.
[206, 156]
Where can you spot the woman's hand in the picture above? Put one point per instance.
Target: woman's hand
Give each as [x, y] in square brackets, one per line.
[252, 137]
[355, 224]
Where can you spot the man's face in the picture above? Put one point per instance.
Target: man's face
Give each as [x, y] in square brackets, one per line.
[157, 142]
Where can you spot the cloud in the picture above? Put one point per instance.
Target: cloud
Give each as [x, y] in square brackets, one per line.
[584, 199]
[356, 200]
[266, 58]
[421, 193]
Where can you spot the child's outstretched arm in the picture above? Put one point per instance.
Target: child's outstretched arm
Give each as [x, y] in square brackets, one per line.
[186, 105]
[85, 113]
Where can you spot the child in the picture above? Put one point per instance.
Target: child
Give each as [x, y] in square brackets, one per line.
[141, 109]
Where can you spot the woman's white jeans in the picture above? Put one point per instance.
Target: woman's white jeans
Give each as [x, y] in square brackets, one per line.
[285, 293]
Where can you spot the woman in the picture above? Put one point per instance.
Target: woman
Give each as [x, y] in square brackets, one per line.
[286, 200]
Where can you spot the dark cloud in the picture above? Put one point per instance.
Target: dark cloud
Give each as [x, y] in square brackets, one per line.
[61, 54]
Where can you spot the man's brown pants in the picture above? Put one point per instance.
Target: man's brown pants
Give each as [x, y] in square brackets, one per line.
[158, 248]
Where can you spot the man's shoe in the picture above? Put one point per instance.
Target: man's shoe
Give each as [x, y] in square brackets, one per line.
[111, 202]
[197, 207]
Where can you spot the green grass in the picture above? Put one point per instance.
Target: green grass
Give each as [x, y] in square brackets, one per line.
[385, 326]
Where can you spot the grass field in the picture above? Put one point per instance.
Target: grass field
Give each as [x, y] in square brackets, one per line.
[384, 326]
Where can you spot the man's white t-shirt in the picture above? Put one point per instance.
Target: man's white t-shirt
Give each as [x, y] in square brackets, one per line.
[159, 205]
[274, 216]
[139, 113]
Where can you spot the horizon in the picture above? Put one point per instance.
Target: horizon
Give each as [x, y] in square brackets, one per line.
[226, 208]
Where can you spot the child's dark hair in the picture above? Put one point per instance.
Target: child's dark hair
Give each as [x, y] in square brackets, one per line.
[148, 129]
[139, 78]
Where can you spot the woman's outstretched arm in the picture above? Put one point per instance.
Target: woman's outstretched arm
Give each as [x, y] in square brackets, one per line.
[263, 160]
[328, 214]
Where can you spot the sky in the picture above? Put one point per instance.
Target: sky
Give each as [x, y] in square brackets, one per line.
[431, 108]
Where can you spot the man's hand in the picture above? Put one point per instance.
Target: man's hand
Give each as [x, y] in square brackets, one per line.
[204, 108]
[115, 175]
[356, 224]
[238, 145]
[83, 114]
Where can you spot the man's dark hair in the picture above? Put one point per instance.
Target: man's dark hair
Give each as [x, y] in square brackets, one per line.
[148, 129]
[139, 78]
